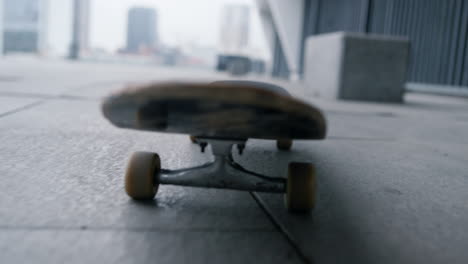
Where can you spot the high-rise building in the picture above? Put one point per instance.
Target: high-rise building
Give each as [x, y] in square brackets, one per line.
[142, 30]
[234, 28]
[1, 28]
[24, 26]
[80, 37]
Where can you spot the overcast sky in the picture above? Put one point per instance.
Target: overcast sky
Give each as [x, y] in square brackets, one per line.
[180, 21]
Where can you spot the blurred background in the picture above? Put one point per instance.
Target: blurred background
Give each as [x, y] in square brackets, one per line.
[238, 36]
[181, 33]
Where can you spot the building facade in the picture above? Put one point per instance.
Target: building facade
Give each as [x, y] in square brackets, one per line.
[235, 23]
[23, 26]
[80, 31]
[437, 30]
[142, 34]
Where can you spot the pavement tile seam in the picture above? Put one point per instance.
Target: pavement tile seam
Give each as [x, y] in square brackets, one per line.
[25, 95]
[47, 97]
[92, 84]
[19, 109]
[281, 228]
[75, 98]
[383, 139]
[137, 229]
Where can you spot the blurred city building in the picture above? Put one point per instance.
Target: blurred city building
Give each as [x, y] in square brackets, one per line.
[235, 22]
[142, 33]
[80, 32]
[235, 54]
[23, 26]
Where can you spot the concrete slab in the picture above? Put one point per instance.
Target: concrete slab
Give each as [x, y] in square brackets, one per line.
[62, 198]
[392, 184]
[124, 246]
[35, 77]
[71, 164]
[379, 202]
[9, 105]
[29, 76]
[421, 118]
[398, 199]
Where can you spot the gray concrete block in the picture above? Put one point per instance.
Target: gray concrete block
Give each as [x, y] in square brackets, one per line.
[355, 66]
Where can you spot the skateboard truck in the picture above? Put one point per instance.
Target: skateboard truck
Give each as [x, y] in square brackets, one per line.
[144, 175]
[223, 172]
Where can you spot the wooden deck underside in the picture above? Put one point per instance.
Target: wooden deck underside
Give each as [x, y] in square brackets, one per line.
[221, 110]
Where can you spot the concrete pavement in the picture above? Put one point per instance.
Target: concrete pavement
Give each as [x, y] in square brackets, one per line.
[392, 181]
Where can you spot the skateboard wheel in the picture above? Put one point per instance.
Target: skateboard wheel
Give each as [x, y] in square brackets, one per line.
[193, 139]
[284, 144]
[141, 181]
[301, 187]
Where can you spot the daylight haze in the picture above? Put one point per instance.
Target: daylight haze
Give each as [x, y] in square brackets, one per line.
[179, 22]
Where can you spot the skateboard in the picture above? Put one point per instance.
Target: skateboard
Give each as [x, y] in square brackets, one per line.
[223, 115]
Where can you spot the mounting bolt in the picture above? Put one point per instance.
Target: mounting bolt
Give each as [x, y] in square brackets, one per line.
[240, 148]
[203, 146]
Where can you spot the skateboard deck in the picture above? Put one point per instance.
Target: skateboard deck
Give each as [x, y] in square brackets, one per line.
[224, 109]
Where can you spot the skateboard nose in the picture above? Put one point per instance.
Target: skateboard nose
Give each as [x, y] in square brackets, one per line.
[120, 112]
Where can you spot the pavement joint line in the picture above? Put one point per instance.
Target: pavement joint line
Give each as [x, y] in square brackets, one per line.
[75, 98]
[281, 228]
[135, 229]
[98, 83]
[19, 109]
[64, 94]
[47, 96]
[25, 95]
[383, 114]
[361, 138]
